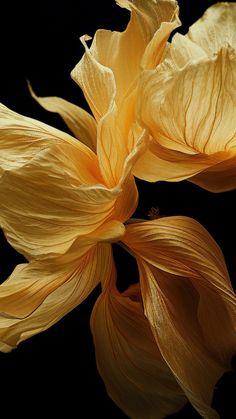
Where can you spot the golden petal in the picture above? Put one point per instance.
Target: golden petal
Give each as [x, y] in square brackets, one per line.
[128, 359]
[37, 295]
[189, 302]
[168, 104]
[50, 187]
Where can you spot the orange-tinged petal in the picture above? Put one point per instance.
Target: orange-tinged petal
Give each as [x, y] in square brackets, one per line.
[216, 28]
[44, 293]
[186, 138]
[80, 122]
[189, 302]
[50, 191]
[128, 359]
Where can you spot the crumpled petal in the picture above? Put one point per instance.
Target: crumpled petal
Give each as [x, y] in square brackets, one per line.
[186, 138]
[50, 187]
[216, 28]
[80, 122]
[110, 67]
[128, 359]
[189, 302]
[37, 294]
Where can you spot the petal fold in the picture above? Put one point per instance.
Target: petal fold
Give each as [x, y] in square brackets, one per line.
[189, 302]
[128, 359]
[190, 142]
[51, 190]
[37, 295]
[80, 122]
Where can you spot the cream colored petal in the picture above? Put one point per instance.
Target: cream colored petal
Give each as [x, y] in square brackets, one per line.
[50, 191]
[189, 302]
[122, 52]
[128, 359]
[191, 111]
[38, 295]
[216, 28]
[80, 122]
[97, 82]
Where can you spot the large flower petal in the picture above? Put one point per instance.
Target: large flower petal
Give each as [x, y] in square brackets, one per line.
[80, 122]
[128, 359]
[50, 191]
[191, 140]
[37, 295]
[189, 302]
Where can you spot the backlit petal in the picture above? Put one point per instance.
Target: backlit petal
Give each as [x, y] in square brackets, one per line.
[37, 295]
[189, 302]
[50, 191]
[80, 122]
[134, 372]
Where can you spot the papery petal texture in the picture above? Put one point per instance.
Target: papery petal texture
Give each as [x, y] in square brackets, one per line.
[109, 74]
[128, 359]
[188, 104]
[50, 187]
[189, 302]
[80, 122]
[38, 294]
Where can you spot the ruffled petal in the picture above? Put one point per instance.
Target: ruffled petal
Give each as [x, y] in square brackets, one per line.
[120, 53]
[80, 122]
[216, 28]
[37, 295]
[192, 140]
[134, 372]
[50, 191]
[189, 302]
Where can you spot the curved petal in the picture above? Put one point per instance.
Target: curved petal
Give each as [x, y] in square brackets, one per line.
[120, 53]
[216, 28]
[189, 302]
[50, 191]
[80, 122]
[199, 135]
[96, 80]
[37, 295]
[220, 177]
[128, 359]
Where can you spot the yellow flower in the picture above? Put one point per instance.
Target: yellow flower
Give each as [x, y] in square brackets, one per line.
[64, 200]
[188, 103]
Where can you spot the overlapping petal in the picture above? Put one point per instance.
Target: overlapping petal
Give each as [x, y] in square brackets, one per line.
[189, 302]
[38, 294]
[216, 28]
[50, 187]
[109, 73]
[190, 112]
[128, 359]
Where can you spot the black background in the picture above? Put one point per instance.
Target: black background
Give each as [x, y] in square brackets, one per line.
[55, 371]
